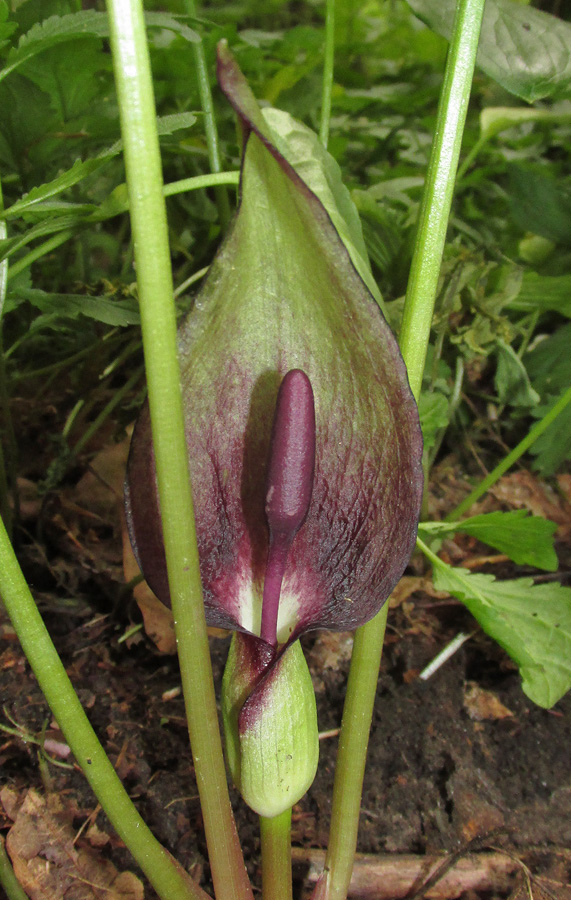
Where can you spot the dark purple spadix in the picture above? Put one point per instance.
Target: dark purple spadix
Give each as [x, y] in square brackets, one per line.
[289, 485]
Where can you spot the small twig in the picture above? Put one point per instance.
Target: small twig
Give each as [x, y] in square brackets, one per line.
[445, 654]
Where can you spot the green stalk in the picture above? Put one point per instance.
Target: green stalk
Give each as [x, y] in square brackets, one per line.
[414, 337]
[211, 131]
[8, 445]
[437, 198]
[100, 419]
[352, 757]
[276, 857]
[8, 880]
[327, 72]
[41, 250]
[175, 187]
[166, 876]
[158, 322]
[512, 457]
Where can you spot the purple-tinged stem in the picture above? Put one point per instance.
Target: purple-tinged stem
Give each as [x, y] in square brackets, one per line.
[280, 544]
[289, 485]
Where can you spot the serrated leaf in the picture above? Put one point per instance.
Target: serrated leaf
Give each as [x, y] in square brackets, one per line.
[528, 540]
[523, 49]
[81, 169]
[86, 23]
[70, 306]
[305, 152]
[531, 622]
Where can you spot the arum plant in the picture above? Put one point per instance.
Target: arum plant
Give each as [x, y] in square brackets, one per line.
[304, 450]
[298, 427]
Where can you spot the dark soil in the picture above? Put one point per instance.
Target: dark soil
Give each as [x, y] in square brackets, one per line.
[440, 773]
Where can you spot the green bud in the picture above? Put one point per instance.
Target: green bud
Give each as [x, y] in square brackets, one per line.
[270, 723]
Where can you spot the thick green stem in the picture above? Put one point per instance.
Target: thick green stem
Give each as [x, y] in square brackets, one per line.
[168, 879]
[8, 446]
[327, 71]
[414, 337]
[437, 198]
[158, 322]
[8, 880]
[210, 129]
[351, 757]
[512, 457]
[276, 857]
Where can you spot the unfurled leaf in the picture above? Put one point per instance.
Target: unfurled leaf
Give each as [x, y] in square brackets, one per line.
[320, 172]
[283, 294]
[531, 622]
[524, 49]
[528, 540]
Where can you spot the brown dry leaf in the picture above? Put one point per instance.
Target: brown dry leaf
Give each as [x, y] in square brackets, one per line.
[157, 617]
[330, 649]
[101, 489]
[522, 490]
[409, 584]
[481, 704]
[47, 863]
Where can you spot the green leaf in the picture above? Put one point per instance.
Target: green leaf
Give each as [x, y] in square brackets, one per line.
[70, 306]
[531, 622]
[549, 363]
[495, 119]
[83, 24]
[51, 225]
[511, 379]
[524, 49]
[433, 410]
[528, 540]
[553, 448]
[166, 125]
[541, 203]
[544, 292]
[305, 152]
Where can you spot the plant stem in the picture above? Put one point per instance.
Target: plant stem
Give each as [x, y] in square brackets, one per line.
[276, 857]
[106, 412]
[41, 250]
[174, 187]
[437, 198]
[168, 879]
[8, 880]
[512, 457]
[220, 192]
[327, 71]
[8, 445]
[414, 337]
[351, 757]
[158, 322]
